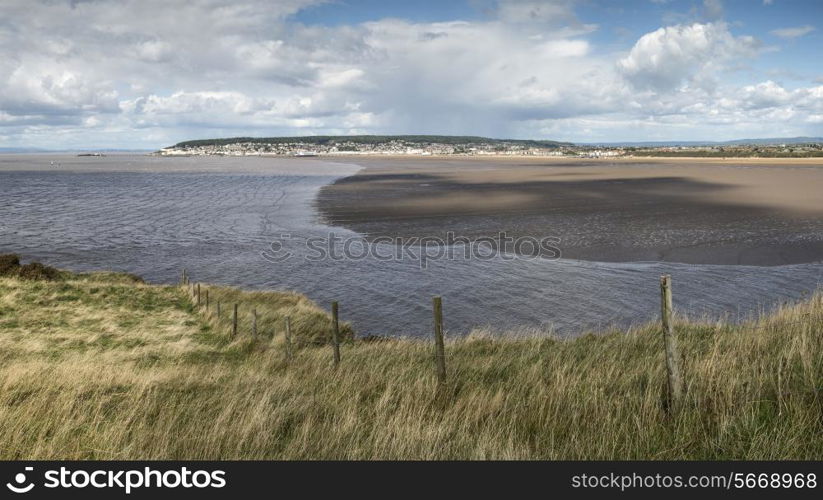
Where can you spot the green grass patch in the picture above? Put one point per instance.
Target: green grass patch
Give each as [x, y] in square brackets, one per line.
[103, 366]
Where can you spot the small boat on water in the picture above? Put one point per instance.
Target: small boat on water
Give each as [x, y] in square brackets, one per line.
[305, 153]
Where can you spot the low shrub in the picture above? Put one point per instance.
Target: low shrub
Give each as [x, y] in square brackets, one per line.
[10, 267]
[9, 264]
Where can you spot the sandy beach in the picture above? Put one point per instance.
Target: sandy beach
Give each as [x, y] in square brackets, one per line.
[692, 210]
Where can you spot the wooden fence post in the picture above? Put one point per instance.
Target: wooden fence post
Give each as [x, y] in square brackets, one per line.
[218, 309]
[207, 299]
[198, 295]
[234, 322]
[440, 350]
[254, 322]
[674, 378]
[289, 354]
[335, 334]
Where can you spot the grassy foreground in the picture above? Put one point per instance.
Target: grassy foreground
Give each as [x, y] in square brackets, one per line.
[102, 366]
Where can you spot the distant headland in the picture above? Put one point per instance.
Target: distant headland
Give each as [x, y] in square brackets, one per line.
[440, 145]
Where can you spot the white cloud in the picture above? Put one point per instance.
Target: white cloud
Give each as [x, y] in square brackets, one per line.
[217, 103]
[764, 95]
[793, 32]
[154, 51]
[69, 61]
[42, 87]
[666, 58]
[154, 72]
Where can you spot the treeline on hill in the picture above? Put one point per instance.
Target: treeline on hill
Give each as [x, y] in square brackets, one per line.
[370, 139]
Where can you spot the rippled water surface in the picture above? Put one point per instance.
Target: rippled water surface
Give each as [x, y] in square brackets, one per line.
[217, 216]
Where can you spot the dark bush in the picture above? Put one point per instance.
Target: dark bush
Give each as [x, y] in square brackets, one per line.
[133, 278]
[9, 264]
[37, 271]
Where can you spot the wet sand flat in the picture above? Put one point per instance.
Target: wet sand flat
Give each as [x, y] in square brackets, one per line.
[702, 211]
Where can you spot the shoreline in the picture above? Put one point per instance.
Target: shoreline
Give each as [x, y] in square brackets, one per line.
[815, 161]
[811, 161]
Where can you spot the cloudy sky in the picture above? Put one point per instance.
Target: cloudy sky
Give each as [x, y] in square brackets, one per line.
[150, 73]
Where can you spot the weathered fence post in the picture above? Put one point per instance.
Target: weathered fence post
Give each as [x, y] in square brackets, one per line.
[440, 350]
[198, 295]
[288, 339]
[674, 379]
[207, 299]
[218, 309]
[234, 322]
[335, 334]
[254, 322]
[183, 277]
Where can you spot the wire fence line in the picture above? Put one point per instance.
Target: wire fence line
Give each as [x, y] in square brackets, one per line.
[746, 323]
[675, 386]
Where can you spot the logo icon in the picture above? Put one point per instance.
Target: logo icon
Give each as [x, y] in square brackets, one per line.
[20, 478]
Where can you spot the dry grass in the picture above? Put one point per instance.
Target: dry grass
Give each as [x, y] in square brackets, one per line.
[101, 367]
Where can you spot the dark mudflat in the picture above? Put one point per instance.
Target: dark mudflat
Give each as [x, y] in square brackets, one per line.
[701, 213]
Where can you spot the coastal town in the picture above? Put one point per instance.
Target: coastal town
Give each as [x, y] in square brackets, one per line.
[476, 146]
[369, 145]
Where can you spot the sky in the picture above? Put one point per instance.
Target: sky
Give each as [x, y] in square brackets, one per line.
[144, 74]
